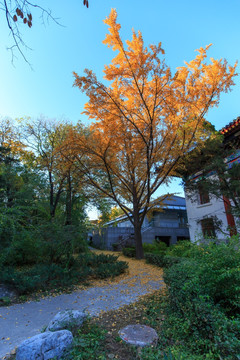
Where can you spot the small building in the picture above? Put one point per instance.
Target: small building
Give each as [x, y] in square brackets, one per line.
[210, 216]
[167, 224]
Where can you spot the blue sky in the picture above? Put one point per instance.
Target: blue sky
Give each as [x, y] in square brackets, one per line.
[181, 26]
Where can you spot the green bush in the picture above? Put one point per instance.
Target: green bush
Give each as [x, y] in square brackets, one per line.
[42, 277]
[150, 248]
[110, 270]
[58, 241]
[24, 249]
[155, 248]
[161, 246]
[217, 269]
[161, 260]
[50, 276]
[94, 260]
[183, 248]
[88, 343]
[8, 229]
[115, 246]
[129, 251]
[203, 302]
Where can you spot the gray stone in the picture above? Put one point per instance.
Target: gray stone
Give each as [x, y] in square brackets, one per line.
[45, 346]
[66, 320]
[6, 292]
[139, 335]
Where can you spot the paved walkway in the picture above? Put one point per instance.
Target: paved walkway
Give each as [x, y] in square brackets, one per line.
[18, 322]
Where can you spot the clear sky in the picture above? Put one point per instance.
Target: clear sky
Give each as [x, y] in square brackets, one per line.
[182, 27]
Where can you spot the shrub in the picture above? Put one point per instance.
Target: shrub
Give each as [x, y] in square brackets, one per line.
[161, 260]
[203, 303]
[59, 242]
[50, 276]
[217, 269]
[161, 246]
[95, 260]
[154, 259]
[183, 248]
[88, 343]
[129, 251]
[150, 248]
[8, 229]
[110, 270]
[155, 248]
[24, 249]
[42, 277]
[115, 246]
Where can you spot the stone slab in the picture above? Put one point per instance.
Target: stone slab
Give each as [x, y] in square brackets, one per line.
[139, 335]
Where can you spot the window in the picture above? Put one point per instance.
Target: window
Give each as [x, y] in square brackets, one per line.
[208, 228]
[203, 195]
[165, 239]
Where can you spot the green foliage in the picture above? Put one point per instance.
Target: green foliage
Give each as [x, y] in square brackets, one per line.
[155, 354]
[7, 229]
[203, 302]
[212, 158]
[200, 309]
[103, 266]
[158, 247]
[111, 270]
[5, 301]
[161, 260]
[129, 251]
[88, 344]
[217, 269]
[95, 260]
[182, 248]
[24, 250]
[59, 242]
[115, 246]
[161, 246]
[51, 276]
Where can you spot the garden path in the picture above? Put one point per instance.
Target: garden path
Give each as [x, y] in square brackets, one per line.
[21, 321]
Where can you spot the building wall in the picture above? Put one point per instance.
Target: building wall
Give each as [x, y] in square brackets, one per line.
[165, 226]
[110, 235]
[161, 233]
[196, 212]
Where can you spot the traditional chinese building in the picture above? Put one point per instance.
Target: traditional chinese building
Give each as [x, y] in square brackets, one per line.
[204, 210]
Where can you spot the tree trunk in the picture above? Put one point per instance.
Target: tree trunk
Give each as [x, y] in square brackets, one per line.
[138, 241]
[54, 203]
[69, 201]
[52, 211]
[137, 223]
[9, 196]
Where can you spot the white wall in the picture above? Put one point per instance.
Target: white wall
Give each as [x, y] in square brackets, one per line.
[197, 212]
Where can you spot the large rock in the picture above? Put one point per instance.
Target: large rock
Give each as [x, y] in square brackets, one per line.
[139, 335]
[45, 346]
[66, 320]
[6, 292]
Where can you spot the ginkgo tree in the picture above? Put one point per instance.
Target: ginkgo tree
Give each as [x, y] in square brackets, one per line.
[146, 119]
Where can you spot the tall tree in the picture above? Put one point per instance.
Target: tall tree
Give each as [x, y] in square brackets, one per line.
[44, 138]
[146, 120]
